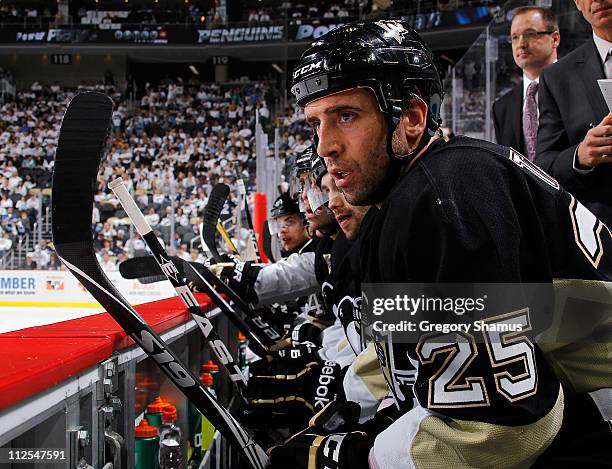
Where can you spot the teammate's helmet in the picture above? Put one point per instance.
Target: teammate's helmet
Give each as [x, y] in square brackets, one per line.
[302, 163]
[317, 166]
[386, 56]
[284, 205]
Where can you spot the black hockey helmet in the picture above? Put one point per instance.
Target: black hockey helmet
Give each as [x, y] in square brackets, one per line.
[301, 164]
[284, 205]
[386, 56]
[317, 166]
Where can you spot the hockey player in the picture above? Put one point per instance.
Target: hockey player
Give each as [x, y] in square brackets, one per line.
[458, 211]
[288, 224]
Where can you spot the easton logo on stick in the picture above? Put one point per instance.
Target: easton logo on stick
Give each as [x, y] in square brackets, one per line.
[169, 268]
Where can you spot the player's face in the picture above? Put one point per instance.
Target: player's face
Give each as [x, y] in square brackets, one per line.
[322, 220]
[535, 52]
[292, 232]
[597, 12]
[348, 216]
[352, 139]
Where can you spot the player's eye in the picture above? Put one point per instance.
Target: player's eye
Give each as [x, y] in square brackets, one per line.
[346, 116]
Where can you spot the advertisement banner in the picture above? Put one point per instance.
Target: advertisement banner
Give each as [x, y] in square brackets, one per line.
[302, 30]
[60, 289]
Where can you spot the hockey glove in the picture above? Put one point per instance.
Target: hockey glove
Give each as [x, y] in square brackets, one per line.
[307, 332]
[240, 277]
[287, 390]
[328, 443]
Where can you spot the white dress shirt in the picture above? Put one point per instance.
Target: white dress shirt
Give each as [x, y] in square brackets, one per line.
[603, 48]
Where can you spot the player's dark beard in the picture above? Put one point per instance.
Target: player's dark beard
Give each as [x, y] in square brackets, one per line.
[376, 186]
[372, 189]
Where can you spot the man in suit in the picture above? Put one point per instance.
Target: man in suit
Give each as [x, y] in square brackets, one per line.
[574, 136]
[534, 35]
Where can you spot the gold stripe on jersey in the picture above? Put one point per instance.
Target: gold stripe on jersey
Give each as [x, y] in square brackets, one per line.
[578, 344]
[342, 345]
[583, 230]
[367, 367]
[463, 444]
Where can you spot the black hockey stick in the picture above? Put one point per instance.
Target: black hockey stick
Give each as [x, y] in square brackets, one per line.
[177, 279]
[243, 195]
[83, 135]
[212, 212]
[147, 267]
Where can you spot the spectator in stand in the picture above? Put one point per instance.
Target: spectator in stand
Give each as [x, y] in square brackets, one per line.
[29, 263]
[181, 251]
[106, 264]
[5, 202]
[136, 246]
[253, 17]
[264, 16]
[41, 255]
[196, 256]
[5, 243]
[152, 217]
[54, 262]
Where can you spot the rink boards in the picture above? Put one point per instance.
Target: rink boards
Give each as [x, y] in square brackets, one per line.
[35, 298]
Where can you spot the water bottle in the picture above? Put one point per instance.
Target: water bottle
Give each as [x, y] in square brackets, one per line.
[242, 352]
[146, 446]
[213, 369]
[170, 441]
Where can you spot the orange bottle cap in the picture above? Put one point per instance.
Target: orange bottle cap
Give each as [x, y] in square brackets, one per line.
[169, 413]
[144, 430]
[209, 366]
[241, 336]
[157, 406]
[206, 379]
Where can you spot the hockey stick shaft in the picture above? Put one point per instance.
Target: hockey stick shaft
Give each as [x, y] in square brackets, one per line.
[144, 267]
[226, 237]
[178, 282]
[212, 212]
[243, 195]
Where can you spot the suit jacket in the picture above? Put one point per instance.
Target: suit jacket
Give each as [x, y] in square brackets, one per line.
[508, 119]
[570, 101]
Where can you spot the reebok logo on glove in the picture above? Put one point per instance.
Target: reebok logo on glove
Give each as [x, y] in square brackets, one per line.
[325, 391]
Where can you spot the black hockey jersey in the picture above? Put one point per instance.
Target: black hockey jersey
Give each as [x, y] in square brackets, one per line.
[474, 212]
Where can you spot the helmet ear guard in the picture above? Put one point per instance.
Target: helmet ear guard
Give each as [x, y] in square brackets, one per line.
[432, 124]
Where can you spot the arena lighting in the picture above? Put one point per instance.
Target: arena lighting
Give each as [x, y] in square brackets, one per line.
[194, 70]
[278, 69]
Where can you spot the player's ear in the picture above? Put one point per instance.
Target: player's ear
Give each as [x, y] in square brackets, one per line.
[412, 124]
